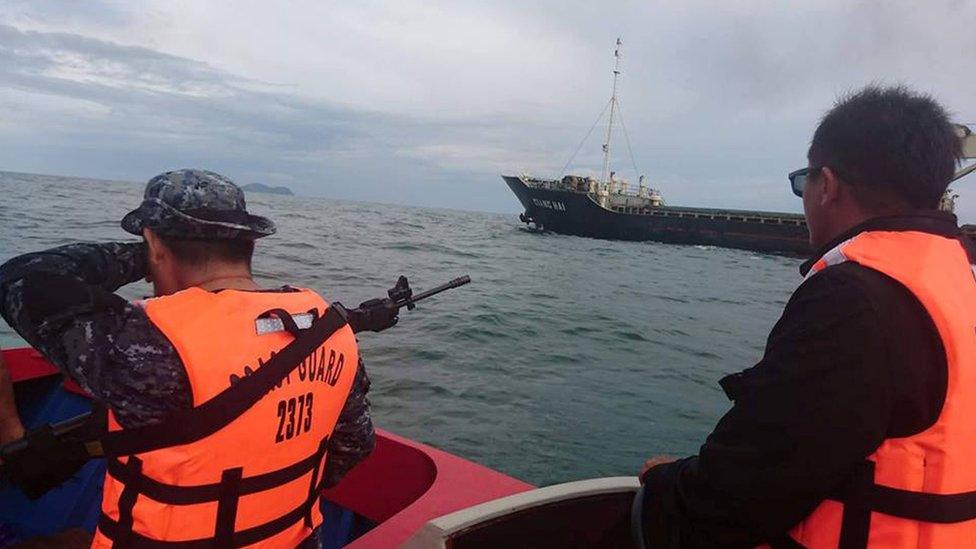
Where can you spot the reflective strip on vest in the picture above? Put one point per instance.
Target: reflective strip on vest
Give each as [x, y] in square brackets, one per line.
[833, 257]
[918, 491]
[256, 480]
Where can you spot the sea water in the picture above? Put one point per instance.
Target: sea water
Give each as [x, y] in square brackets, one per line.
[566, 358]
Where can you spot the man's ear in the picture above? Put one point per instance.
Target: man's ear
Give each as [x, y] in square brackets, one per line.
[154, 246]
[832, 186]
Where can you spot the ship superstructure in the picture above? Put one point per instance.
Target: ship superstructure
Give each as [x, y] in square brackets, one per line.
[609, 191]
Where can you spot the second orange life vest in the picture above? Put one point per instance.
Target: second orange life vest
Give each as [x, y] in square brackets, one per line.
[918, 491]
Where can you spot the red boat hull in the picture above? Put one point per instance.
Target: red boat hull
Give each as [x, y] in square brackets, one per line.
[401, 486]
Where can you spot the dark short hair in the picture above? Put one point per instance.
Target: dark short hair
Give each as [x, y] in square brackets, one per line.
[892, 145]
[196, 252]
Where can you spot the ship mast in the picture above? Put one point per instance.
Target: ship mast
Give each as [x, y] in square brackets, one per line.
[613, 105]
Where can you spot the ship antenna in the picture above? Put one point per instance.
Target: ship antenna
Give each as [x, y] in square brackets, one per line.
[613, 105]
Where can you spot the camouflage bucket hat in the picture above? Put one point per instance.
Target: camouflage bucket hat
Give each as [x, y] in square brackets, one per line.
[196, 204]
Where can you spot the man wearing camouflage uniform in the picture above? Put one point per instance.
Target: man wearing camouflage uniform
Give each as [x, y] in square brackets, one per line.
[61, 301]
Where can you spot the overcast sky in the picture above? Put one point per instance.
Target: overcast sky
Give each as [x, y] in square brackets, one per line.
[428, 102]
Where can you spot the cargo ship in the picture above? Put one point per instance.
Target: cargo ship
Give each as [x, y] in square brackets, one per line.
[608, 207]
[580, 206]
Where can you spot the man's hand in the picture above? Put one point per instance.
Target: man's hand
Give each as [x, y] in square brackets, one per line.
[374, 315]
[654, 462]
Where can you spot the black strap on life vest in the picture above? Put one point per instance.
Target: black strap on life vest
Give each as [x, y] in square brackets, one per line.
[202, 493]
[201, 421]
[127, 499]
[856, 522]
[227, 493]
[861, 497]
[111, 529]
[204, 420]
[317, 479]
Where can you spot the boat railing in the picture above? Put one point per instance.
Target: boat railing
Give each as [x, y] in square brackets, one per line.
[586, 513]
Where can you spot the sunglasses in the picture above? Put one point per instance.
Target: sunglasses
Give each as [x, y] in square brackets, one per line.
[799, 178]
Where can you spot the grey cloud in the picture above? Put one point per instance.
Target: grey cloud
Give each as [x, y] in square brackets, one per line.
[719, 101]
[166, 111]
[162, 111]
[141, 85]
[98, 12]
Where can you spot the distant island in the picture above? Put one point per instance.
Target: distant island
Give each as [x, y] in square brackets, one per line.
[261, 188]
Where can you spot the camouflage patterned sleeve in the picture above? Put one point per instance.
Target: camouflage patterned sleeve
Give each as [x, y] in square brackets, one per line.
[107, 266]
[353, 438]
[61, 302]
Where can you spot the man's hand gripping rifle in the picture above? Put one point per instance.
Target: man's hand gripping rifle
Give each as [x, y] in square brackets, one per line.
[376, 315]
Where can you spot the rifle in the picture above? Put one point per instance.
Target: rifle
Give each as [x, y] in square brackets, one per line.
[52, 453]
[377, 315]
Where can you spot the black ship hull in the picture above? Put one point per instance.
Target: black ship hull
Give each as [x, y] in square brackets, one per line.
[578, 213]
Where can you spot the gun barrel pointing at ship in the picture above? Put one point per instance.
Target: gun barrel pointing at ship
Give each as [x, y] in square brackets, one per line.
[456, 283]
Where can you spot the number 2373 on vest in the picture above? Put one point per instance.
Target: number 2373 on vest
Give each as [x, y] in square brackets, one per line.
[295, 413]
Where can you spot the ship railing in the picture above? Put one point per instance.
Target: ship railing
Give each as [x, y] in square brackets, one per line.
[663, 211]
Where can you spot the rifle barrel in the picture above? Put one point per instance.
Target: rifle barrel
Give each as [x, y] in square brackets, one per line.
[456, 283]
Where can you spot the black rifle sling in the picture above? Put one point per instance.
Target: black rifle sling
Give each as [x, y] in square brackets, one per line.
[201, 421]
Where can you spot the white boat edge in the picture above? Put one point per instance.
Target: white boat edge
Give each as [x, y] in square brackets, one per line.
[435, 533]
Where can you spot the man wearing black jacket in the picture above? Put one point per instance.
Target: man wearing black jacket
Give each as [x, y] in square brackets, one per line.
[855, 358]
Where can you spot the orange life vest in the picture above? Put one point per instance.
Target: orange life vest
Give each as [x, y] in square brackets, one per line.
[918, 491]
[253, 479]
